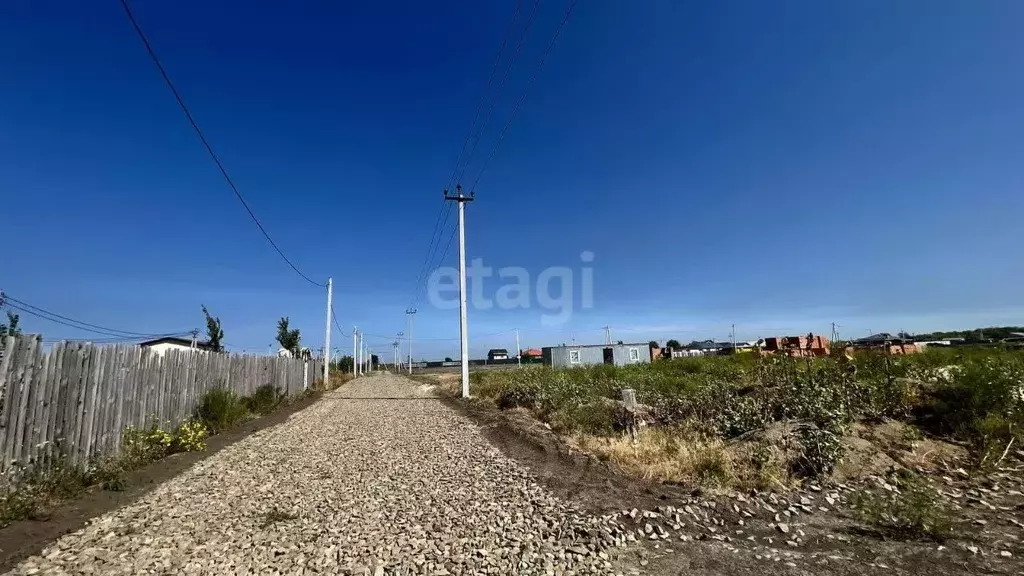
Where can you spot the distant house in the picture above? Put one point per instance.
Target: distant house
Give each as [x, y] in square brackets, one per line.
[532, 353]
[880, 339]
[592, 354]
[162, 345]
[497, 354]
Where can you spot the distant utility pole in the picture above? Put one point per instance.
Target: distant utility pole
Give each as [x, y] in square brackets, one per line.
[327, 334]
[733, 333]
[362, 354]
[355, 338]
[519, 351]
[463, 322]
[607, 334]
[398, 351]
[195, 337]
[409, 313]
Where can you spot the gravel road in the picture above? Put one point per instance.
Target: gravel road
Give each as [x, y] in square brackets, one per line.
[375, 478]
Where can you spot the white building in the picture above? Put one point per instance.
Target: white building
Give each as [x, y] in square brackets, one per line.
[162, 345]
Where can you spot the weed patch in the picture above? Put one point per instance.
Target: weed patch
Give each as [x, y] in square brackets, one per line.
[275, 515]
[911, 510]
[221, 409]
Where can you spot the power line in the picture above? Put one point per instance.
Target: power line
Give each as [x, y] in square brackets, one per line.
[487, 87]
[431, 250]
[338, 326]
[504, 78]
[85, 326]
[114, 335]
[436, 339]
[206, 143]
[445, 209]
[526, 91]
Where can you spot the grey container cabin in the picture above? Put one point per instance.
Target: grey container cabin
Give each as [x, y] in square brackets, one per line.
[593, 354]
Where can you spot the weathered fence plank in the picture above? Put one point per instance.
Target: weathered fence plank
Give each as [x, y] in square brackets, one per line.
[75, 400]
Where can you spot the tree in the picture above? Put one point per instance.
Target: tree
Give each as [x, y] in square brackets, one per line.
[214, 333]
[448, 359]
[11, 327]
[673, 344]
[653, 344]
[288, 338]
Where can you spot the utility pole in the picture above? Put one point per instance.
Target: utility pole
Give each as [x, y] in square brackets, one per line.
[733, 333]
[398, 351]
[519, 351]
[327, 334]
[361, 354]
[355, 337]
[463, 322]
[409, 313]
[607, 334]
[195, 337]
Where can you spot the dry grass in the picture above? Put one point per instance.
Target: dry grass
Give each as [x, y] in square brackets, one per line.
[684, 457]
[666, 456]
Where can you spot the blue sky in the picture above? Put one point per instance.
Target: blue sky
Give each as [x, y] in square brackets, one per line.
[778, 165]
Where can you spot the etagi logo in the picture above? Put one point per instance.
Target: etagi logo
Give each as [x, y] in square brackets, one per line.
[553, 288]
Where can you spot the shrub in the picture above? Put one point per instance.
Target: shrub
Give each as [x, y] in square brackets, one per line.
[820, 451]
[191, 437]
[220, 409]
[914, 510]
[596, 418]
[264, 400]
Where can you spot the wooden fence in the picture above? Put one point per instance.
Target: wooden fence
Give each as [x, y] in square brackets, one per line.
[75, 399]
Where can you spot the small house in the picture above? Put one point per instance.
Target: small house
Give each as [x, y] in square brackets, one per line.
[497, 354]
[593, 354]
[161, 345]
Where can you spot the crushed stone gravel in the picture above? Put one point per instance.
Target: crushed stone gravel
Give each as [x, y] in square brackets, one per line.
[378, 477]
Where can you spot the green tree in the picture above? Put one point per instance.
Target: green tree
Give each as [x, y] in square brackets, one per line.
[653, 344]
[288, 338]
[674, 344]
[448, 359]
[11, 327]
[214, 332]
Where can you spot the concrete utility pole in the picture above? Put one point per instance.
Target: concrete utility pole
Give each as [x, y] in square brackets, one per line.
[519, 351]
[607, 334]
[399, 352]
[409, 312]
[463, 322]
[327, 334]
[361, 354]
[395, 354]
[355, 337]
[733, 334]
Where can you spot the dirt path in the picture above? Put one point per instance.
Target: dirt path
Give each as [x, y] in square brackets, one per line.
[376, 478]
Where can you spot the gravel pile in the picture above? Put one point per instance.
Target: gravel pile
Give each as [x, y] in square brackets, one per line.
[376, 478]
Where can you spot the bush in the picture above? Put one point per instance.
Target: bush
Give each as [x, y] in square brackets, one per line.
[597, 419]
[220, 409]
[914, 510]
[820, 451]
[191, 437]
[264, 400]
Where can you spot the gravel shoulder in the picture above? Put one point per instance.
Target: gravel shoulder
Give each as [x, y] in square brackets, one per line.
[378, 477]
[25, 538]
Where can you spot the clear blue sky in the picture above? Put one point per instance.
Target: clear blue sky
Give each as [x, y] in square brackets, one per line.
[777, 165]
